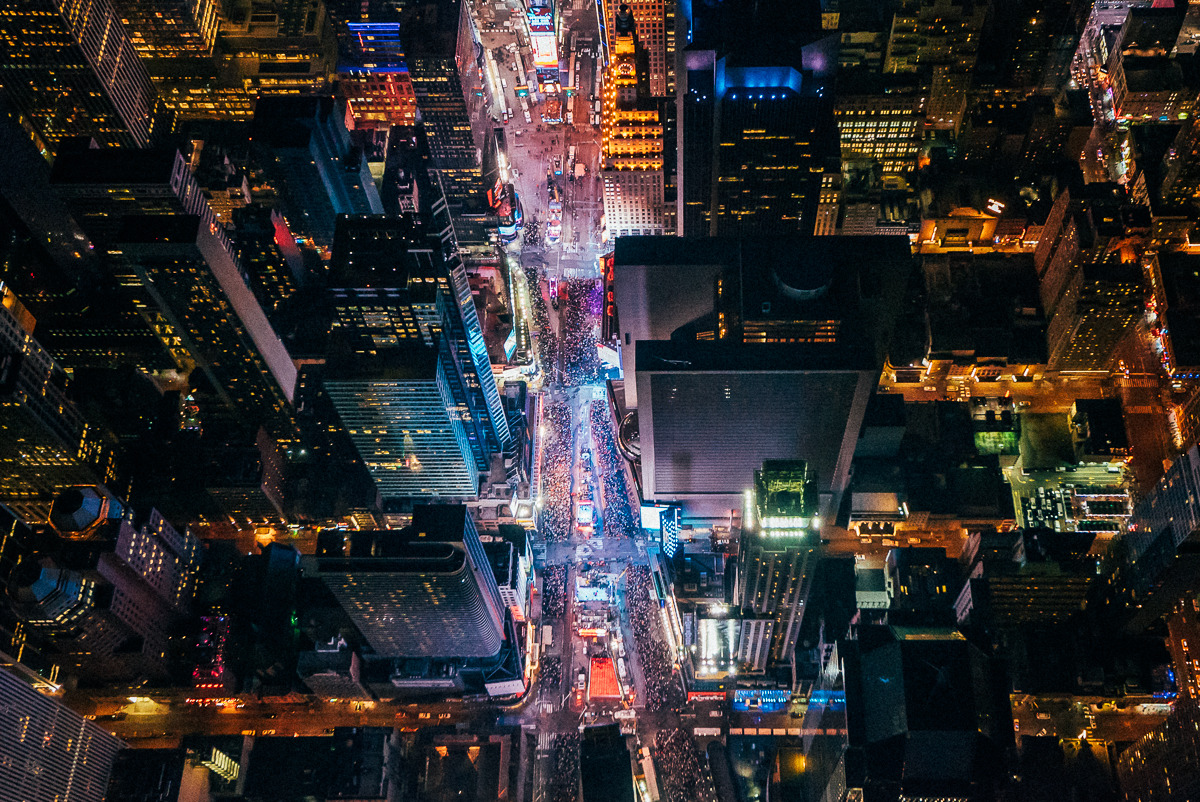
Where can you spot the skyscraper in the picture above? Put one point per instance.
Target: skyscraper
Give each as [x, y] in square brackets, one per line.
[193, 277]
[423, 591]
[373, 76]
[399, 410]
[780, 534]
[935, 32]
[753, 146]
[392, 282]
[437, 39]
[655, 23]
[632, 146]
[309, 150]
[48, 751]
[175, 41]
[107, 590]
[736, 351]
[157, 231]
[1102, 300]
[71, 70]
[45, 443]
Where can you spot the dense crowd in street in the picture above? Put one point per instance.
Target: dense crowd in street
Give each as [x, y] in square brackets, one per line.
[555, 496]
[681, 768]
[551, 671]
[619, 518]
[564, 777]
[581, 362]
[663, 691]
[547, 343]
[554, 591]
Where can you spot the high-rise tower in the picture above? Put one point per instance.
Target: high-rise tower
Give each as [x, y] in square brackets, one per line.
[632, 146]
[71, 70]
[424, 591]
[780, 536]
[49, 751]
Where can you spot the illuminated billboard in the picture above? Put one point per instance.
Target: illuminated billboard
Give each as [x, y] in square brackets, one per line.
[652, 517]
[545, 50]
[541, 20]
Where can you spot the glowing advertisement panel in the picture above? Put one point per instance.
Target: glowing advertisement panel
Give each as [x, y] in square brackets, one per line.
[545, 50]
[541, 20]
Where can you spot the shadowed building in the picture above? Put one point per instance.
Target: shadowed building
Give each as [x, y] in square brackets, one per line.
[426, 591]
[736, 351]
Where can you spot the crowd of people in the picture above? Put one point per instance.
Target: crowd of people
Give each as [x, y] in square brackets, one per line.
[547, 344]
[556, 513]
[619, 518]
[564, 777]
[554, 591]
[551, 670]
[680, 767]
[663, 691]
[581, 362]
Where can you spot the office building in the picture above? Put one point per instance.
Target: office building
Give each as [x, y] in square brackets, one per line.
[776, 558]
[1162, 556]
[71, 70]
[392, 282]
[1165, 762]
[753, 144]
[48, 751]
[45, 442]
[880, 121]
[929, 33]
[924, 716]
[307, 148]
[399, 410]
[437, 39]
[655, 29]
[276, 47]
[737, 351]
[1102, 300]
[175, 41]
[1183, 641]
[423, 591]
[104, 595]
[632, 139]
[193, 277]
[163, 245]
[373, 76]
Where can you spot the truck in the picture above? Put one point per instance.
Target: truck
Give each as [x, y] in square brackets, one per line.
[552, 110]
[621, 669]
[580, 170]
[547, 636]
[585, 513]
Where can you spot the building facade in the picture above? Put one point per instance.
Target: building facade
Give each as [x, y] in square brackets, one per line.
[632, 139]
[399, 410]
[50, 751]
[425, 591]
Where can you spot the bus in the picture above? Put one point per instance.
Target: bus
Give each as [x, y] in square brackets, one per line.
[621, 669]
[501, 200]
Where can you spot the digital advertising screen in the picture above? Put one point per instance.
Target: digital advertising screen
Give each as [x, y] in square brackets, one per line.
[545, 50]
